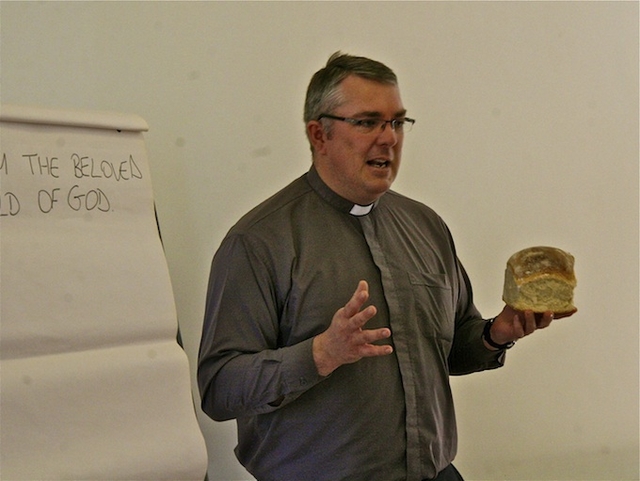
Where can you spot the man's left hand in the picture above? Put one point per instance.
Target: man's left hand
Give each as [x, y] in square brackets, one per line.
[511, 325]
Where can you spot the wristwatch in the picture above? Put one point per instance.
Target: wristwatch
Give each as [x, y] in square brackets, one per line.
[486, 335]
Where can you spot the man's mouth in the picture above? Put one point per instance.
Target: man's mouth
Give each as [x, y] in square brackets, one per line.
[380, 163]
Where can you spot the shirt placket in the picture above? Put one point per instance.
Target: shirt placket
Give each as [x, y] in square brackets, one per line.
[401, 340]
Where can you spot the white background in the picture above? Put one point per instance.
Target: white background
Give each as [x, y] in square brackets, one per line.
[526, 134]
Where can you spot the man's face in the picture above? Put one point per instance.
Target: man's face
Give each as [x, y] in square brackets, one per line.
[360, 166]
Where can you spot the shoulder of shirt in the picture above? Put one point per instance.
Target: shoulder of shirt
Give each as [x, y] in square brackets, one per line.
[396, 200]
[277, 203]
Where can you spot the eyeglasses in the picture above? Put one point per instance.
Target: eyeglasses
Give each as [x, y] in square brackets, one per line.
[367, 126]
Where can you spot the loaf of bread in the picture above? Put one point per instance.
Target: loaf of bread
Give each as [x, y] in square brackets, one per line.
[540, 279]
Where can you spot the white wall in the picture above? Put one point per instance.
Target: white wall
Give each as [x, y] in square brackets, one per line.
[527, 134]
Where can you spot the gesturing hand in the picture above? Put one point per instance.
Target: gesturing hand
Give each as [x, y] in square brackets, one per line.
[345, 341]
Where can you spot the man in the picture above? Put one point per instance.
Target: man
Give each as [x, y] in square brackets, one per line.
[327, 383]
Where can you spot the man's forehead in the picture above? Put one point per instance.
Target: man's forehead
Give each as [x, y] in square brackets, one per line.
[378, 114]
[370, 98]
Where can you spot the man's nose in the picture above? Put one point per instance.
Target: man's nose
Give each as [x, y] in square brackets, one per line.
[388, 135]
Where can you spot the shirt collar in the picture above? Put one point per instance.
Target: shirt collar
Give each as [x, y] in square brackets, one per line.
[337, 201]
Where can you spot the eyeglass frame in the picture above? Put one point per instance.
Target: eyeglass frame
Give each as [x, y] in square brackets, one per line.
[359, 122]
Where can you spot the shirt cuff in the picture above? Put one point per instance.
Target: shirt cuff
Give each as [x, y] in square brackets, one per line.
[299, 369]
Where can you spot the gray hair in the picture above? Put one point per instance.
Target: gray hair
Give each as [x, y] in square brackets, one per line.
[323, 94]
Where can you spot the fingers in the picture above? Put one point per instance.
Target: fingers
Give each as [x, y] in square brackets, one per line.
[511, 324]
[359, 297]
[527, 322]
[544, 320]
[369, 336]
[355, 317]
[372, 350]
[345, 341]
[358, 318]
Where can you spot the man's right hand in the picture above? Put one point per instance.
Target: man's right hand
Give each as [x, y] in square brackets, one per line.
[345, 341]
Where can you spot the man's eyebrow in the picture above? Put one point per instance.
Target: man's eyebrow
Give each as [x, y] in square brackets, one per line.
[378, 115]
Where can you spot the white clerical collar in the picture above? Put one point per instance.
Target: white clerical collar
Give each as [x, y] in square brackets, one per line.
[332, 198]
[360, 210]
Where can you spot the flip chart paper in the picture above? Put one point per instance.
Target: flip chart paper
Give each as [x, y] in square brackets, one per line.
[94, 384]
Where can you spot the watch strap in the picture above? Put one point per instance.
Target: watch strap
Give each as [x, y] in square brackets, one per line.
[486, 335]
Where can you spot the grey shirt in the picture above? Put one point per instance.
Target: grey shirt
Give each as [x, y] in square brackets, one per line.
[276, 281]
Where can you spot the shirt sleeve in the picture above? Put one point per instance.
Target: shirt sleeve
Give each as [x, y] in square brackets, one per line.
[242, 369]
[468, 353]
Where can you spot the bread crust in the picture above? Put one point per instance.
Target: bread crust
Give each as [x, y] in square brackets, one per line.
[540, 279]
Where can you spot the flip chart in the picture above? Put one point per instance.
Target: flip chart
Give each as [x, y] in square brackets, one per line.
[94, 384]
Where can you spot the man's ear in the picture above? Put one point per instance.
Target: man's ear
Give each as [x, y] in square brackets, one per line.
[317, 136]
